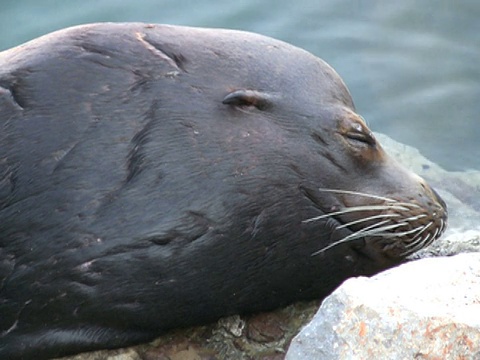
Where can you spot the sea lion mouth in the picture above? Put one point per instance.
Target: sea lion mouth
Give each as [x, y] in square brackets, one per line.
[388, 227]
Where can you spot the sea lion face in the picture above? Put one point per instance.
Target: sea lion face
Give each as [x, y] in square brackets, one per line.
[392, 210]
[389, 211]
[155, 177]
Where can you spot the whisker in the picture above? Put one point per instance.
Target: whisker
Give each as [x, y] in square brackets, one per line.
[414, 240]
[338, 191]
[427, 241]
[434, 236]
[398, 234]
[443, 224]
[349, 192]
[415, 218]
[356, 209]
[380, 216]
[419, 243]
[349, 237]
[389, 210]
[422, 244]
[377, 231]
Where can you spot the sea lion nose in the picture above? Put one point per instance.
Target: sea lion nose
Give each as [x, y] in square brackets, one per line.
[433, 200]
[438, 199]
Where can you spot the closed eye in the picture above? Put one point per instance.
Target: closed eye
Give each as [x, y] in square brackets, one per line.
[363, 137]
[359, 133]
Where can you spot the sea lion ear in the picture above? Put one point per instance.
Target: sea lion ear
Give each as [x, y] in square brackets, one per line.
[247, 98]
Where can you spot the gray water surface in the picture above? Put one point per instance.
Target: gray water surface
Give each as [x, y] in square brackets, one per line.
[412, 66]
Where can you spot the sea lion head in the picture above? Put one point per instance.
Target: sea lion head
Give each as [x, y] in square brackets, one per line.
[383, 210]
[377, 206]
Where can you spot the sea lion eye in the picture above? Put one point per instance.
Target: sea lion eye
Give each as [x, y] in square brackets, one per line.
[246, 98]
[359, 133]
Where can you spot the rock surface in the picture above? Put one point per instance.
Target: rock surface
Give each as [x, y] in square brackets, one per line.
[426, 309]
[267, 336]
[261, 336]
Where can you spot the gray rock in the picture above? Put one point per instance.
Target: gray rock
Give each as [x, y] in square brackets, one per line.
[426, 309]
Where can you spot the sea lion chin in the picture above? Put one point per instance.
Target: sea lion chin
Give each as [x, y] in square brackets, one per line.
[155, 177]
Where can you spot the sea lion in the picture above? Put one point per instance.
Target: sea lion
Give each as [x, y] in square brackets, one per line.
[155, 177]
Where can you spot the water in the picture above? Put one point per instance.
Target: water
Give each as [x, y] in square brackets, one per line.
[412, 66]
